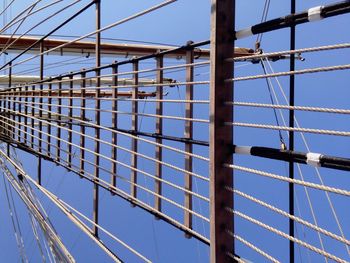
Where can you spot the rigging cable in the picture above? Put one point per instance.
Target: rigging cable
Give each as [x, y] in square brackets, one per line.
[302, 178]
[316, 169]
[269, 87]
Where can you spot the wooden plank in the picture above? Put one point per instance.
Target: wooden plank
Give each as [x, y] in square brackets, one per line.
[221, 136]
[134, 127]
[159, 130]
[189, 135]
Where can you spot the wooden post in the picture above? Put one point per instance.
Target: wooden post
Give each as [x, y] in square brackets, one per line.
[97, 118]
[134, 127]
[221, 136]
[159, 130]
[189, 135]
[114, 123]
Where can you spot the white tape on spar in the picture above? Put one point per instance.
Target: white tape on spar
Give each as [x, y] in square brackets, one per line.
[314, 14]
[244, 33]
[243, 150]
[313, 159]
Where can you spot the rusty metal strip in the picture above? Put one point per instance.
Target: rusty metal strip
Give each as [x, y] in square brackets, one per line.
[189, 135]
[114, 125]
[59, 112]
[134, 127]
[221, 136]
[159, 130]
[70, 120]
[82, 127]
[49, 115]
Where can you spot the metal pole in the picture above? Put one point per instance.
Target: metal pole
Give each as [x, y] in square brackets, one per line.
[291, 135]
[97, 116]
[189, 135]
[82, 127]
[8, 105]
[159, 130]
[221, 136]
[40, 109]
[134, 127]
[114, 124]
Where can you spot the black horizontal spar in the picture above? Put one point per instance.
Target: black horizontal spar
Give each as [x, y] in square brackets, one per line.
[313, 159]
[312, 14]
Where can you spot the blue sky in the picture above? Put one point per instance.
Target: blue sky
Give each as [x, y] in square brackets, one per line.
[177, 24]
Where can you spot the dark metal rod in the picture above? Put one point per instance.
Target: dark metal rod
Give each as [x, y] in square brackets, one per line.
[326, 161]
[291, 134]
[32, 120]
[70, 116]
[159, 130]
[82, 127]
[8, 105]
[97, 118]
[48, 34]
[126, 197]
[58, 129]
[114, 125]
[40, 135]
[49, 115]
[330, 10]
[134, 127]
[128, 61]
[26, 100]
[221, 136]
[189, 135]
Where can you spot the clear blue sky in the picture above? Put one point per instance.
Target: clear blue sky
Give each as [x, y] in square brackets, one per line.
[176, 24]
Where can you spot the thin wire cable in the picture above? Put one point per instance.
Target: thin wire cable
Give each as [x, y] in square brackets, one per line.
[296, 51]
[122, 21]
[287, 107]
[295, 72]
[287, 128]
[282, 234]
[300, 172]
[316, 169]
[295, 218]
[294, 181]
[253, 247]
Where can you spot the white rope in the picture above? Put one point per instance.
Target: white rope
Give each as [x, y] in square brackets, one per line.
[296, 51]
[295, 72]
[287, 107]
[289, 180]
[298, 165]
[97, 31]
[295, 218]
[316, 169]
[253, 247]
[286, 128]
[282, 234]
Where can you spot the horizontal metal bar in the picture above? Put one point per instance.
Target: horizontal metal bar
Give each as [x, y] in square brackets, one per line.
[314, 159]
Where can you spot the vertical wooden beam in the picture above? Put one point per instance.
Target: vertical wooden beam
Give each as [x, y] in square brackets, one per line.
[189, 135]
[26, 100]
[134, 124]
[32, 118]
[114, 123]
[59, 112]
[40, 135]
[8, 107]
[49, 115]
[97, 116]
[19, 95]
[70, 121]
[221, 136]
[291, 136]
[159, 130]
[82, 127]
[40, 109]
